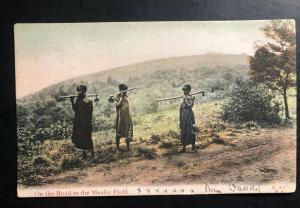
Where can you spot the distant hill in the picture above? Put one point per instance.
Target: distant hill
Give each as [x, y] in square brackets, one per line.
[209, 60]
[206, 61]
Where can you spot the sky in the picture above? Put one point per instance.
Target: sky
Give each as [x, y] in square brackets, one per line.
[48, 53]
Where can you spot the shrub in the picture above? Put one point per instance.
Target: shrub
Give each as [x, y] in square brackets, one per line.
[146, 152]
[28, 148]
[249, 101]
[55, 130]
[216, 125]
[154, 139]
[70, 163]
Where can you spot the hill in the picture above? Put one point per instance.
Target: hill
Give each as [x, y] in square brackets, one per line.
[213, 73]
[123, 73]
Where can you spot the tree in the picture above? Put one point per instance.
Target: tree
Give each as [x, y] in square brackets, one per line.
[274, 63]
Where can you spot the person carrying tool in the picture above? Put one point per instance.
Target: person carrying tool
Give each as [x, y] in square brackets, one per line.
[82, 126]
[123, 124]
[187, 119]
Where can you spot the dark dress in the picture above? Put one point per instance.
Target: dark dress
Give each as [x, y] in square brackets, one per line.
[82, 127]
[187, 119]
[124, 126]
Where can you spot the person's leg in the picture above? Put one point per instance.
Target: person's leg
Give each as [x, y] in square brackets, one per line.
[128, 143]
[182, 141]
[92, 152]
[194, 143]
[183, 148]
[118, 142]
[84, 154]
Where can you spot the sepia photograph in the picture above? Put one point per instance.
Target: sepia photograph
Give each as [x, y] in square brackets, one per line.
[155, 108]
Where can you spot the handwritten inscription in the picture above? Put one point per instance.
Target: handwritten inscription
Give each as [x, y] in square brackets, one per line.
[210, 189]
[244, 188]
[279, 188]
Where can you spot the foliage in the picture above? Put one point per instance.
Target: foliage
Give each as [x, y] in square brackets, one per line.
[275, 62]
[147, 153]
[155, 124]
[28, 148]
[249, 101]
[41, 109]
[59, 129]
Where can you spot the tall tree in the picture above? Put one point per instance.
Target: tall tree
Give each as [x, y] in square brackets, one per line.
[274, 63]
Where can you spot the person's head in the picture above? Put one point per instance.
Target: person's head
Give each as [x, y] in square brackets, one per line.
[123, 87]
[81, 90]
[186, 89]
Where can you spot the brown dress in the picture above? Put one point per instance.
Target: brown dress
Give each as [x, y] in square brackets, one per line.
[124, 126]
[82, 127]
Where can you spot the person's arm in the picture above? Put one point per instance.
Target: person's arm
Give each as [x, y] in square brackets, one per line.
[120, 100]
[91, 106]
[189, 101]
[73, 103]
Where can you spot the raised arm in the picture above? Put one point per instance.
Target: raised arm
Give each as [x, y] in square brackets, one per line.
[189, 101]
[119, 102]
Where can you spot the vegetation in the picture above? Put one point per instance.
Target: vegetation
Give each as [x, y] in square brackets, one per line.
[275, 62]
[249, 101]
[44, 126]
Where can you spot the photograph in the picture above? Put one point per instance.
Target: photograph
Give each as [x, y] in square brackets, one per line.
[155, 108]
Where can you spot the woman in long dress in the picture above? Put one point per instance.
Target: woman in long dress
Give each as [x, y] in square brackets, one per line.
[123, 125]
[187, 119]
[82, 126]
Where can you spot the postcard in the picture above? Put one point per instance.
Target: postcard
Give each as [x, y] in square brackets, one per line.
[155, 108]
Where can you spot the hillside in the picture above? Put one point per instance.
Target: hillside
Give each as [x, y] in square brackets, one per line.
[227, 153]
[144, 69]
[199, 62]
[213, 73]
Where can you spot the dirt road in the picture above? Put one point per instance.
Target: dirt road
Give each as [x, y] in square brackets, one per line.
[260, 156]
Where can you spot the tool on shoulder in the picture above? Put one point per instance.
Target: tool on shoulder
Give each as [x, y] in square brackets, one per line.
[60, 98]
[177, 97]
[113, 97]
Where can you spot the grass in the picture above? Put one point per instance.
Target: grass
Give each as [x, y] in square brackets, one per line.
[292, 103]
[155, 135]
[145, 152]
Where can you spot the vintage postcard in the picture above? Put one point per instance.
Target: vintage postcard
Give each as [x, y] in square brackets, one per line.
[155, 108]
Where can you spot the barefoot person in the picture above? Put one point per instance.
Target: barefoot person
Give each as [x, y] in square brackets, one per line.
[82, 126]
[124, 127]
[187, 119]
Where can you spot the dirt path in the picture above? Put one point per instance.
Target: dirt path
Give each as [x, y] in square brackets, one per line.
[259, 156]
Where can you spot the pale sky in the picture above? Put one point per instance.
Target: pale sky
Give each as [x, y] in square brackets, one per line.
[49, 53]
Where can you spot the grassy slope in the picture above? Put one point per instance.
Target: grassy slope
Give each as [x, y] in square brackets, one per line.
[167, 119]
[59, 155]
[163, 121]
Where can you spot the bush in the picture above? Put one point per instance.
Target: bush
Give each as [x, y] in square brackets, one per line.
[249, 101]
[154, 139]
[146, 152]
[70, 163]
[216, 125]
[28, 149]
[55, 130]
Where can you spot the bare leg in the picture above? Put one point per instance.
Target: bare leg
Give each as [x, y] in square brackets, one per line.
[128, 144]
[193, 144]
[118, 142]
[83, 154]
[183, 149]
